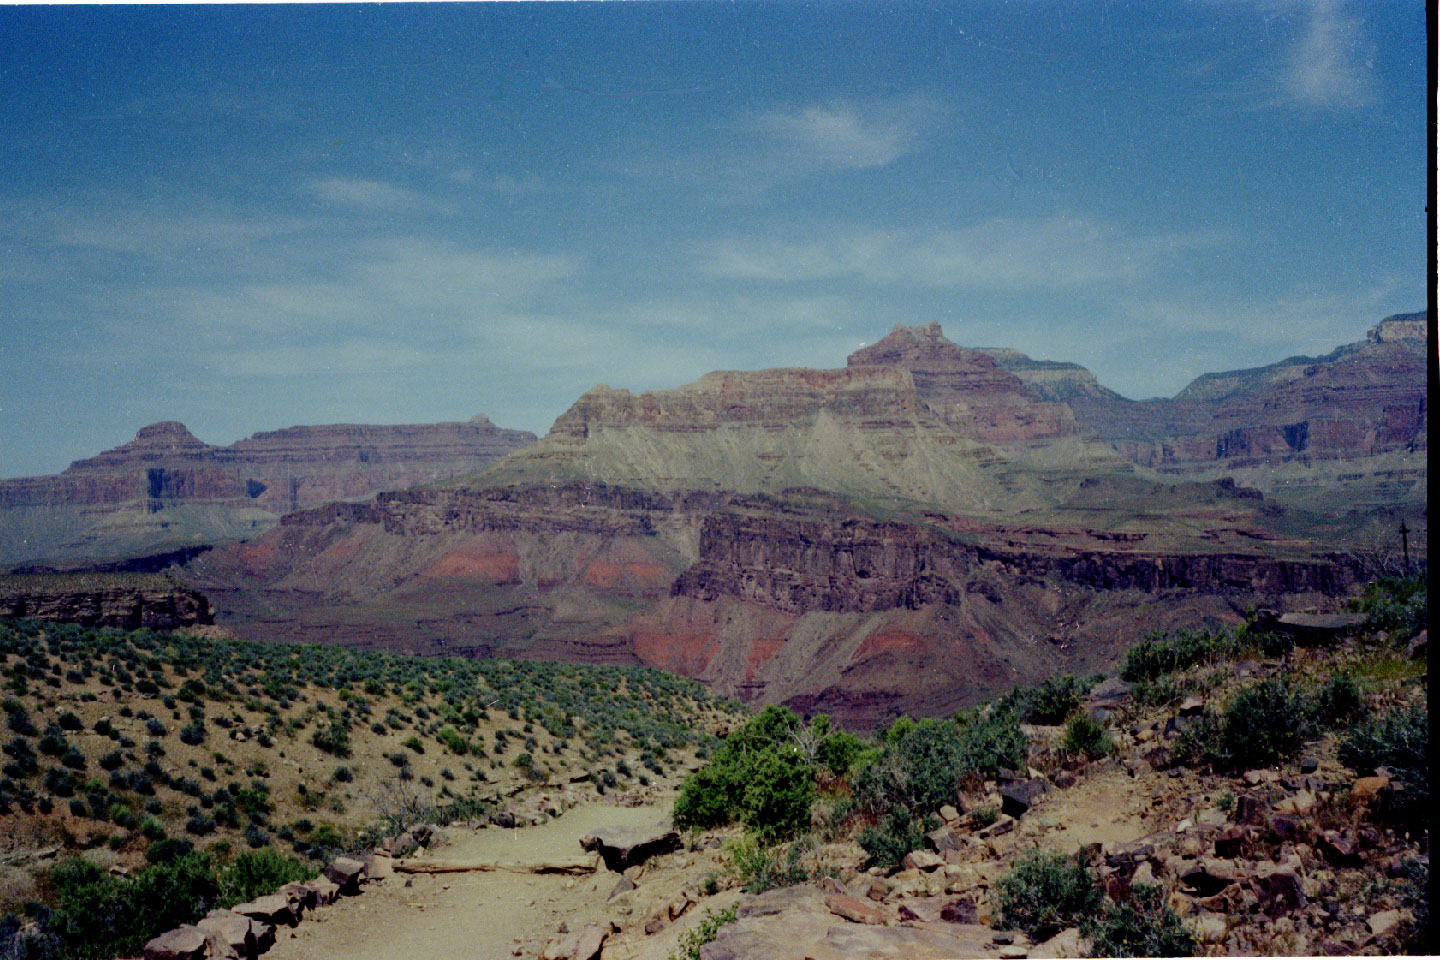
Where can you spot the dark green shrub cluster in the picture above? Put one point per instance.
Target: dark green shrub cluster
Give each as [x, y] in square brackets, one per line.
[887, 843]
[1338, 701]
[1049, 702]
[1160, 653]
[1399, 741]
[1397, 605]
[1045, 893]
[1143, 926]
[1087, 737]
[1264, 724]
[762, 867]
[757, 776]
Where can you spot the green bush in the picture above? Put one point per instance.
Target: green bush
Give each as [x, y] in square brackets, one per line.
[708, 798]
[993, 743]
[982, 817]
[761, 866]
[1045, 893]
[1264, 724]
[839, 751]
[333, 739]
[887, 843]
[1397, 605]
[1158, 653]
[257, 873]
[779, 791]
[1086, 736]
[1143, 927]
[99, 916]
[1338, 701]
[1398, 741]
[703, 933]
[1045, 703]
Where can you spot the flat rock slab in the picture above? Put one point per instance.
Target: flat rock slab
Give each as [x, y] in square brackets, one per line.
[625, 847]
[795, 922]
[182, 943]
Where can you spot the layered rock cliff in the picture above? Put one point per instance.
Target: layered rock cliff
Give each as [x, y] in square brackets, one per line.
[166, 488]
[127, 601]
[914, 532]
[1342, 430]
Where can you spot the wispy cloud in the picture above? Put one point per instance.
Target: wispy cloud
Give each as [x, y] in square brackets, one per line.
[847, 134]
[1331, 64]
[372, 195]
[993, 254]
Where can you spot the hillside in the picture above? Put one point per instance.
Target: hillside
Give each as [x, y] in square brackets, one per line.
[166, 490]
[118, 739]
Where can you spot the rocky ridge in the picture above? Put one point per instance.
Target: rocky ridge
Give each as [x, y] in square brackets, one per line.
[166, 488]
[1354, 420]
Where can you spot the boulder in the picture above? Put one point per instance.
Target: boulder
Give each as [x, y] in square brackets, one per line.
[1416, 648]
[623, 847]
[592, 939]
[230, 935]
[183, 943]
[999, 828]
[1249, 810]
[960, 910]
[270, 909]
[856, 911]
[943, 839]
[1339, 849]
[1019, 796]
[1280, 892]
[1366, 789]
[1301, 802]
[1309, 629]
[623, 885]
[949, 814]
[301, 894]
[379, 866]
[1208, 877]
[346, 873]
[1065, 944]
[325, 890]
[1288, 827]
[505, 818]
[1384, 923]
[1234, 843]
[922, 860]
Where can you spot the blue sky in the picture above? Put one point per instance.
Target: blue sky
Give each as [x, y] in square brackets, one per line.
[253, 217]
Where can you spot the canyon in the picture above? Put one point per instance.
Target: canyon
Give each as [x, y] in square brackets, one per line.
[911, 533]
[166, 489]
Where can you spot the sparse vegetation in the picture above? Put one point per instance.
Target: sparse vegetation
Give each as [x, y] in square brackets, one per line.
[1143, 926]
[1044, 893]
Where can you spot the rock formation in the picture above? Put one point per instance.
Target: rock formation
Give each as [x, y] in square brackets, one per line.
[914, 532]
[1333, 432]
[127, 601]
[166, 489]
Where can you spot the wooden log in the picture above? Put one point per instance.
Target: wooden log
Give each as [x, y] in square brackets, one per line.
[577, 866]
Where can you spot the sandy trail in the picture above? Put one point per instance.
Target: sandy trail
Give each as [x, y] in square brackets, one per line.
[470, 916]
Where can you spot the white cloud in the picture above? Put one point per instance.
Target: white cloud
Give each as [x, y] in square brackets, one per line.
[847, 134]
[372, 195]
[1330, 66]
[997, 254]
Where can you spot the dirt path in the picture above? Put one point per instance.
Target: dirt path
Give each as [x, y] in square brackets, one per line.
[1102, 808]
[470, 916]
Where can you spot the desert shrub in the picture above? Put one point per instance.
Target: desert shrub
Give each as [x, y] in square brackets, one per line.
[887, 842]
[779, 790]
[1264, 724]
[193, 734]
[168, 850]
[757, 775]
[708, 797]
[982, 817]
[1339, 700]
[68, 721]
[1087, 736]
[98, 916]
[1045, 703]
[991, 744]
[451, 739]
[839, 751]
[256, 873]
[334, 739]
[1158, 653]
[917, 771]
[703, 932]
[1399, 741]
[761, 866]
[1397, 605]
[1045, 893]
[112, 760]
[1145, 926]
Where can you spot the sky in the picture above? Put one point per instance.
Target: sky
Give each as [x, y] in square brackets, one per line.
[251, 217]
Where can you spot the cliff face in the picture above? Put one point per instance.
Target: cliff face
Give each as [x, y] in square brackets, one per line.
[797, 598]
[914, 532]
[166, 488]
[1350, 427]
[912, 418]
[128, 601]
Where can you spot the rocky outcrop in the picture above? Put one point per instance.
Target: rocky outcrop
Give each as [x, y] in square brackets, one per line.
[127, 601]
[1354, 420]
[166, 488]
